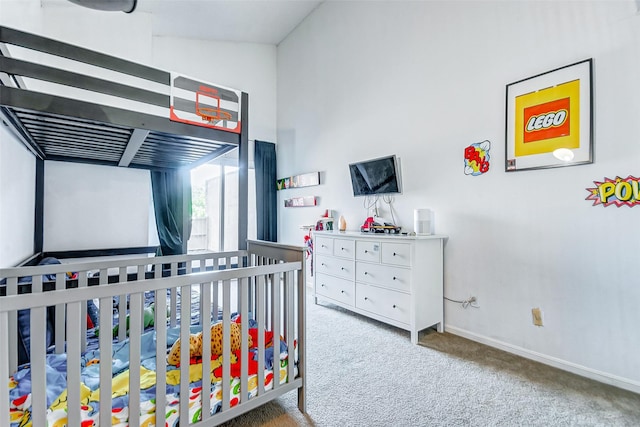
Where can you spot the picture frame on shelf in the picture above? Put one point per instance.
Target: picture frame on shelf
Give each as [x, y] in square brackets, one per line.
[549, 119]
[297, 181]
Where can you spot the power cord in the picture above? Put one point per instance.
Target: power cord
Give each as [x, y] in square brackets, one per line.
[469, 302]
[371, 202]
[389, 200]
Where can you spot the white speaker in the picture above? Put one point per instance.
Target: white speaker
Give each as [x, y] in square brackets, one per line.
[422, 221]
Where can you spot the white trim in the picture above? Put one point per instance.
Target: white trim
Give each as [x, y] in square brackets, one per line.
[593, 374]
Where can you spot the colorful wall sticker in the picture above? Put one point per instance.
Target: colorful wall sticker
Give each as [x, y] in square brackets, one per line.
[617, 192]
[476, 158]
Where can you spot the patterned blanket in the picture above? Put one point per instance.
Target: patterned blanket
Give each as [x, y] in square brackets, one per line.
[20, 383]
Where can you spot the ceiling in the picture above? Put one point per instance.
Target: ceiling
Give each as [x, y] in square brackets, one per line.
[254, 21]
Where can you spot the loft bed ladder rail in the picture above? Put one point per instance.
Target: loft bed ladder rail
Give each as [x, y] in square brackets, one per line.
[76, 53]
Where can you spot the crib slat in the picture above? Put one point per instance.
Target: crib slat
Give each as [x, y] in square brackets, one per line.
[174, 297]
[260, 313]
[12, 289]
[82, 283]
[60, 315]
[301, 294]
[135, 327]
[290, 329]
[160, 324]
[4, 368]
[205, 306]
[74, 311]
[122, 308]
[106, 370]
[202, 267]
[38, 330]
[275, 324]
[106, 327]
[226, 360]
[216, 296]
[243, 287]
[185, 314]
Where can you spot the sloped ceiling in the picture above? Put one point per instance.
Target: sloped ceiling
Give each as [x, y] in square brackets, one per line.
[254, 21]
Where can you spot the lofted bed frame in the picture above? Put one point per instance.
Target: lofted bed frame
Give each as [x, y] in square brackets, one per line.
[55, 126]
[94, 108]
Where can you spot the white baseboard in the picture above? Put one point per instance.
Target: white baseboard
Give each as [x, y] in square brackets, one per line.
[593, 374]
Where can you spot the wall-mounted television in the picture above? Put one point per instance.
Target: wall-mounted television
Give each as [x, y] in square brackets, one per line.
[376, 176]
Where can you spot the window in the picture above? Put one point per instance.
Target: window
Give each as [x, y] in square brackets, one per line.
[214, 190]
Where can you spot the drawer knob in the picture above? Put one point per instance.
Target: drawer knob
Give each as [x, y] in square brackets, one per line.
[323, 264]
[394, 306]
[365, 273]
[366, 299]
[394, 278]
[342, 268]
[323, 246]
[366, 251]
[342, 292]
[342, 249]
[323, 285]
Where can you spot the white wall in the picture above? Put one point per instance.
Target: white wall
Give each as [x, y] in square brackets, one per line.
[17, 199]
[95, 207]
[423, 80]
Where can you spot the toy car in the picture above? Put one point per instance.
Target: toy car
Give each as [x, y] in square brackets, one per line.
[370, 226]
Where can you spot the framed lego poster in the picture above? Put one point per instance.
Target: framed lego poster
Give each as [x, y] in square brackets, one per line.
[549, 120]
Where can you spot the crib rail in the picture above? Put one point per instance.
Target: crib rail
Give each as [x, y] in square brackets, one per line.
[264, 283]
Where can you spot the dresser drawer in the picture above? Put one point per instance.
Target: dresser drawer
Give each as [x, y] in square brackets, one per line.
[341, 290]
[344, 248]
[383, 302]
[340, 267]
[323, 245]
[367, 250]
[396, 254]
[384, 275]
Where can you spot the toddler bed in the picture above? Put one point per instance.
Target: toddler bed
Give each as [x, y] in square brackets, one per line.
[243, 312]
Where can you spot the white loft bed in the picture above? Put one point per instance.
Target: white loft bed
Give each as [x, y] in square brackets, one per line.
[71, 104]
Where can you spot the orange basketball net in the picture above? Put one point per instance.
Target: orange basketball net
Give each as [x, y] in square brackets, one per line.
[209, 113]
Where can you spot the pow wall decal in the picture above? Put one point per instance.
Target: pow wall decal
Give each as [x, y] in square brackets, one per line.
[476, 158]
[616, 192]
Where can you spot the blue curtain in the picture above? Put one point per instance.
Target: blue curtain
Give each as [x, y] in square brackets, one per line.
[266, 197]
[170, 188]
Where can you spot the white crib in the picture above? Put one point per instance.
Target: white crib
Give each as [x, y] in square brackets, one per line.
[264, 285]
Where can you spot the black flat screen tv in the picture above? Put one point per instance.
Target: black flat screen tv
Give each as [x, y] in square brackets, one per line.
[377, 176]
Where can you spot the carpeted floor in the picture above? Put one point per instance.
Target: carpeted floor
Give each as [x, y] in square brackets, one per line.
[363, 373]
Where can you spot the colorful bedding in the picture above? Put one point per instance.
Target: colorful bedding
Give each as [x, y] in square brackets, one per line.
[20, 383]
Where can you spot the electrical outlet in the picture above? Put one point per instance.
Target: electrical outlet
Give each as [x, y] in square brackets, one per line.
[536, 315]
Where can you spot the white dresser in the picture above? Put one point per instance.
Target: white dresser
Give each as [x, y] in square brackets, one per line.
[395, 279]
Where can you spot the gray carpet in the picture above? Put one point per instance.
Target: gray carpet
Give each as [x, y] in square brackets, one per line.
[363, 373]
